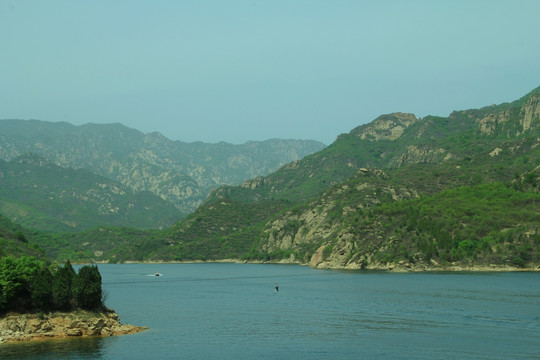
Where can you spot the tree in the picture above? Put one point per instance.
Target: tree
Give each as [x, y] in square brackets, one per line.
[15, 279]
[87, 288]
[41, 289]
[62, 286]
[27, 284]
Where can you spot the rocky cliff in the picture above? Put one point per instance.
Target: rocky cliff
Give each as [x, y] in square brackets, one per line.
[318, 235]
[26, 327]
[386, 127]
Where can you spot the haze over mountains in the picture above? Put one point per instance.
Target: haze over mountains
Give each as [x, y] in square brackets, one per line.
[42, 195]
[129, 163]
[399, 192]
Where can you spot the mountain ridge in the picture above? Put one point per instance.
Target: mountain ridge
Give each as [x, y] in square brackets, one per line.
[179, 172]
[420, 157]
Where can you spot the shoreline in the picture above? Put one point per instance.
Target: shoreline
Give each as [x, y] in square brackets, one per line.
[16, 327]
[395, 268]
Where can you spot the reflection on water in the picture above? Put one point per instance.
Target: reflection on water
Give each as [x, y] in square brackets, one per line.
[80, 348]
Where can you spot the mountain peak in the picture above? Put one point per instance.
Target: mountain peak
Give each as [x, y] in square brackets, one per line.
[385, 127]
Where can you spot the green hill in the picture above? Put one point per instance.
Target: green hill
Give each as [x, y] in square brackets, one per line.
[497, 146]
[41, 195]
[14, 241]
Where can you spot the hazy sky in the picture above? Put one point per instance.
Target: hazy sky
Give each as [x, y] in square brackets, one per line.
[253, 70]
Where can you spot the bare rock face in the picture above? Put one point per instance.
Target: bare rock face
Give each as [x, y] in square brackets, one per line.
[528, 118]
[417, 155]
[26, 327]
[387, 127]
[529, 112]
[332, 246]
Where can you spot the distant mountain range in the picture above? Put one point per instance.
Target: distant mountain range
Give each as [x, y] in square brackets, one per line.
[401, 192]
[122, 175]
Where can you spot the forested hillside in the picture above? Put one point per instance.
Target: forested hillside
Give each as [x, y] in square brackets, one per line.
[41, 195]
[14, 241]
[337, 213]
[400, 192]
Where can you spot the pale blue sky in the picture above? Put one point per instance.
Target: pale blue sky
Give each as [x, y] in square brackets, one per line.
[253, 70]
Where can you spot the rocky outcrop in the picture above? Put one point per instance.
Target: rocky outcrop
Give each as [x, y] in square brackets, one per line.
[489, 124]
[530, 112]
[387, 127]
[527, 118]
[420, 155]
[315, 228]
[254, 183]
[26, 327]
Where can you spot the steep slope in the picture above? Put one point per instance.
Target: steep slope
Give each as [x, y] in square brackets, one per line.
[396, 140]
[41, 195]
[182, 173]
[420, 157]
[14, 242]
[378, 220]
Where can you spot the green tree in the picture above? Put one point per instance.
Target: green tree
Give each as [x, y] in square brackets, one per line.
[87, 288]
[28, 284]
[41, 289]
[15, 278]
[62, 286]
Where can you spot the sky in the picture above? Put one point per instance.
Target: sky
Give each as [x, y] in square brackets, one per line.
[253, 70]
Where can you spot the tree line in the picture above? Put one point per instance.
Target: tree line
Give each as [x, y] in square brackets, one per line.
[28, 284]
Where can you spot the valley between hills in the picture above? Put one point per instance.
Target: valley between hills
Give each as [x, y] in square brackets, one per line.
[399, 193]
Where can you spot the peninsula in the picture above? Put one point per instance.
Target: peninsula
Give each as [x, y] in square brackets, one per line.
[39, 326]
[40, 301]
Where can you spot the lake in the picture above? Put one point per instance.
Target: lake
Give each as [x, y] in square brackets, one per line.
[232, 311]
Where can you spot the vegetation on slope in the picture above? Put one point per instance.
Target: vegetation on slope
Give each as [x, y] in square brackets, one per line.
[41, 195]
[484, 224]
[224, 229]
[431, 155]
[14, 240]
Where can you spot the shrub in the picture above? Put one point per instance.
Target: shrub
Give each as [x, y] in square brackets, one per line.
[327, 251]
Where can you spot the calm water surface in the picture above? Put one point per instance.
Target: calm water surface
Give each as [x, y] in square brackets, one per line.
[231, 311]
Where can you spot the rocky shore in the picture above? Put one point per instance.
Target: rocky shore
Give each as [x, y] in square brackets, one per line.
[26, 327]
[401, 266]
